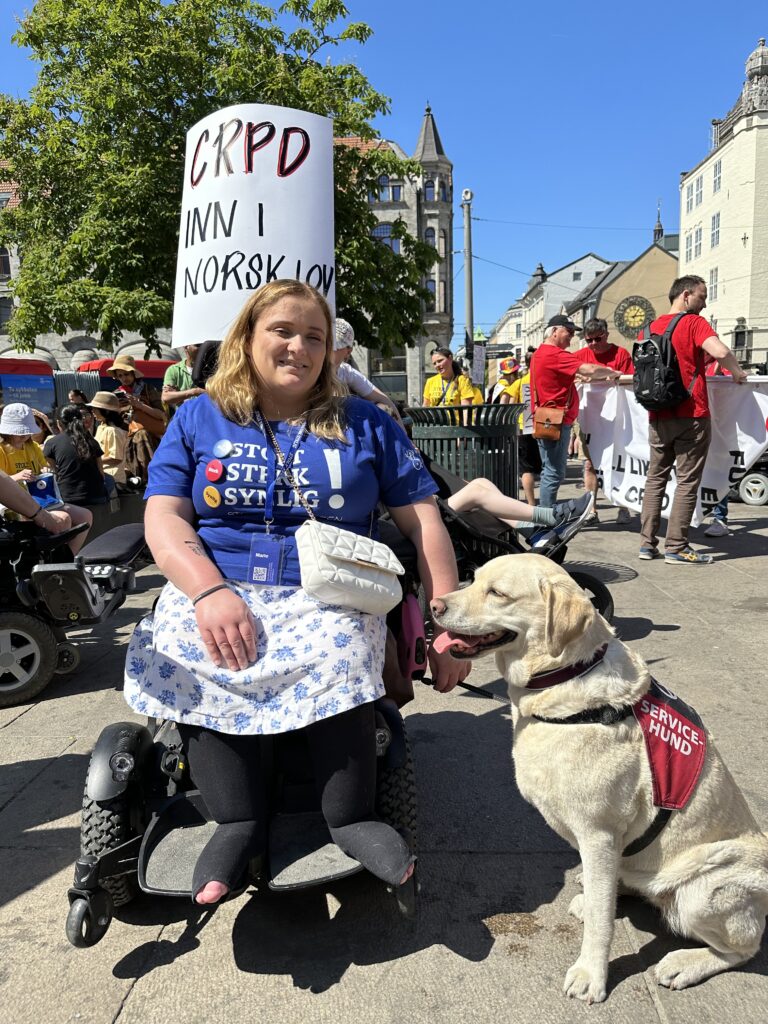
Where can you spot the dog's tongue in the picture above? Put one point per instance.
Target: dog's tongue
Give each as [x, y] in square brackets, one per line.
[445, 641]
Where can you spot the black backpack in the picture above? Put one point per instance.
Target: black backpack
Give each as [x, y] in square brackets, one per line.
[657, 382]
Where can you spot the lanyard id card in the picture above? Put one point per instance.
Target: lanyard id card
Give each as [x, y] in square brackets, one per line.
[265, 565]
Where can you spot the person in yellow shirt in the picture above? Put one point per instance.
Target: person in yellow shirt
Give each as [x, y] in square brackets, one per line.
[528, 457]
[449, 386]
[111, 434]
[23, 460]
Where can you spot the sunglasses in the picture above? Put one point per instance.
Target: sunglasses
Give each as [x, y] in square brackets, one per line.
[597, 337]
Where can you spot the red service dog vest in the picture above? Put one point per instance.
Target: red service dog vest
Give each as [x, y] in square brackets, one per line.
[675, 742]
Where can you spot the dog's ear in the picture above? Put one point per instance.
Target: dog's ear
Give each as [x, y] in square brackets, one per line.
[568, 613]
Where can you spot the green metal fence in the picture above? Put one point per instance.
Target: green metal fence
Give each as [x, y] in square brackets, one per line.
[471, 441]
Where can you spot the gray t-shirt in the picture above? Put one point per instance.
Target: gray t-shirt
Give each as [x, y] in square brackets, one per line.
[357, 382]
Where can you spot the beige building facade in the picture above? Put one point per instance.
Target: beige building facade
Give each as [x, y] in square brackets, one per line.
[724, 219]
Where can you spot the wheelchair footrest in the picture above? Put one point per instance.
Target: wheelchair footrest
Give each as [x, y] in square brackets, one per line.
[302, 853]
[69, 594]
[172, 844]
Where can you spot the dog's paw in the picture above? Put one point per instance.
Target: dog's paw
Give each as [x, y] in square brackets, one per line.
[684, 967]
[576, 909]
[586, 983]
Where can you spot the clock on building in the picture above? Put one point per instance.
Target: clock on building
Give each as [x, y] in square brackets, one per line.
[632, 314]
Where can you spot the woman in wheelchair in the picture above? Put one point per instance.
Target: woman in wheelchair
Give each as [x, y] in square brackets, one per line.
[23, 460]
[236, 650]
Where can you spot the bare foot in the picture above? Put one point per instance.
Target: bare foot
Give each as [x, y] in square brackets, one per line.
[212, 892]
[407, 874]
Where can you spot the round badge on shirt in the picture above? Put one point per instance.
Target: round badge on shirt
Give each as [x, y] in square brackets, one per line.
[211, 497]
[223, 448]
[214, 471]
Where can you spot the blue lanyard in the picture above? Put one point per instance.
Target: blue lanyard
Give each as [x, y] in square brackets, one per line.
[447, 385]
[281, 470]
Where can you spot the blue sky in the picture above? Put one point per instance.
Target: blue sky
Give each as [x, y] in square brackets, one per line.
[567, 121]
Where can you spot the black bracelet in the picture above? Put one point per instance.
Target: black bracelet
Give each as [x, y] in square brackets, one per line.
[34, 517]
[209, 591]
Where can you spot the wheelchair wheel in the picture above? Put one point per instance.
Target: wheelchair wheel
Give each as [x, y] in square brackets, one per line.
[27, 657]
[103, 826]
[396, 798]
[597, 592]
[81, 928]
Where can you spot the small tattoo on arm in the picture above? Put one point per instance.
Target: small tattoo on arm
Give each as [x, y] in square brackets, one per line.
[195, 547]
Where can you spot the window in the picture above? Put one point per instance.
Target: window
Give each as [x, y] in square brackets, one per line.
[6, 308]
[441, 243]
[5, 198]
[715, 239]
[384, 189]
[429, 191]
[431, 287]
[5, 264]
[716, 175]
[577, 275]
[397, 193]
[713, 323]
[383, 232]
[739, 338]
[429, 236]
[688, 247]
[712, 295]
[518, 331]
[697, 242]
[699, 189]
[689, 198]
[443, 192]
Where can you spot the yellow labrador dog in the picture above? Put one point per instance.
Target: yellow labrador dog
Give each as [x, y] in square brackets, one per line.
[706, 869]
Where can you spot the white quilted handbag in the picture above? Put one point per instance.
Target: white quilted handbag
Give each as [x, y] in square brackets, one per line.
[341, 567]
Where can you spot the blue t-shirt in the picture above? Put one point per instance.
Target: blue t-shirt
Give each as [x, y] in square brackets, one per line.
[224, 469]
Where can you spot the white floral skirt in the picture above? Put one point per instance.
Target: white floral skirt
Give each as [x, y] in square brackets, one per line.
[313, 660]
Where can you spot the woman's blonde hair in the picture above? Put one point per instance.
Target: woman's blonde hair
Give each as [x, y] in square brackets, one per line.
[234, 386]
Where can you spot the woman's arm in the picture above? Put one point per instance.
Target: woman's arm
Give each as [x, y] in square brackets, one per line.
[224, 619]
[422, 525]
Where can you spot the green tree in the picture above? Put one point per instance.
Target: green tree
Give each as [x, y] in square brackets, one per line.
[98, 154]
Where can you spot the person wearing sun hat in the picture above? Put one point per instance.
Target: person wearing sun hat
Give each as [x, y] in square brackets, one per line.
[147, 419]
[111, 434]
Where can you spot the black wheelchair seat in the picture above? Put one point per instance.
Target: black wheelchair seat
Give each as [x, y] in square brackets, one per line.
[119, 546]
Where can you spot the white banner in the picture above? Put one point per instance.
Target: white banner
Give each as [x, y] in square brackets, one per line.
[257, 206]
[616, 430]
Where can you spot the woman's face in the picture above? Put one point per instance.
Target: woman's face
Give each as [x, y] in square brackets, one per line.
[288, 347]
[127, 378]
[442, 364]
[97, 414]
[18, 440]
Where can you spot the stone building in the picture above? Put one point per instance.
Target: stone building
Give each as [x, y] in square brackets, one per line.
[724, 218]
[424, 203]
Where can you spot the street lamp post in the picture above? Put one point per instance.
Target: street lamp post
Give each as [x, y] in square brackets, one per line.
[478, 351]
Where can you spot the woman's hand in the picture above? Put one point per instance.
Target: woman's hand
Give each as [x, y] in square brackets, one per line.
[228, 629]
[447, 671]
[25, 475]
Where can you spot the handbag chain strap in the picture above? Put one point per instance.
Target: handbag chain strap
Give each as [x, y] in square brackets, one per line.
[288, 473]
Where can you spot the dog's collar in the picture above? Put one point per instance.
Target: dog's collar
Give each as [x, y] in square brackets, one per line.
[561, 675]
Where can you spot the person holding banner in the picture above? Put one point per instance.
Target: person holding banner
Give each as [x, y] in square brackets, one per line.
[680, 436]
[553, 373]
[236, 649]
[603, 352]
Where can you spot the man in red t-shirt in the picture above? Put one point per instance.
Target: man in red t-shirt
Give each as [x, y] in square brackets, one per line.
[553, 371]
[680, 436]
[603, 352]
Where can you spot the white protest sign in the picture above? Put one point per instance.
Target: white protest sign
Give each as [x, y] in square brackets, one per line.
[257, 206]
[616, 430]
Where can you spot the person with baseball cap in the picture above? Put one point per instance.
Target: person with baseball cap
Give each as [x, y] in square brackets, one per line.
[553, 374]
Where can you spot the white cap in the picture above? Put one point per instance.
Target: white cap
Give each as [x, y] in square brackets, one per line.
[345, 335]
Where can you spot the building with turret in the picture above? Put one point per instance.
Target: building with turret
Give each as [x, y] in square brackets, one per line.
[724, 218]
[424, 203]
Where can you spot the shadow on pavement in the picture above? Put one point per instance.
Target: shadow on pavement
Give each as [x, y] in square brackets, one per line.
[636, 627]
[33, 794]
